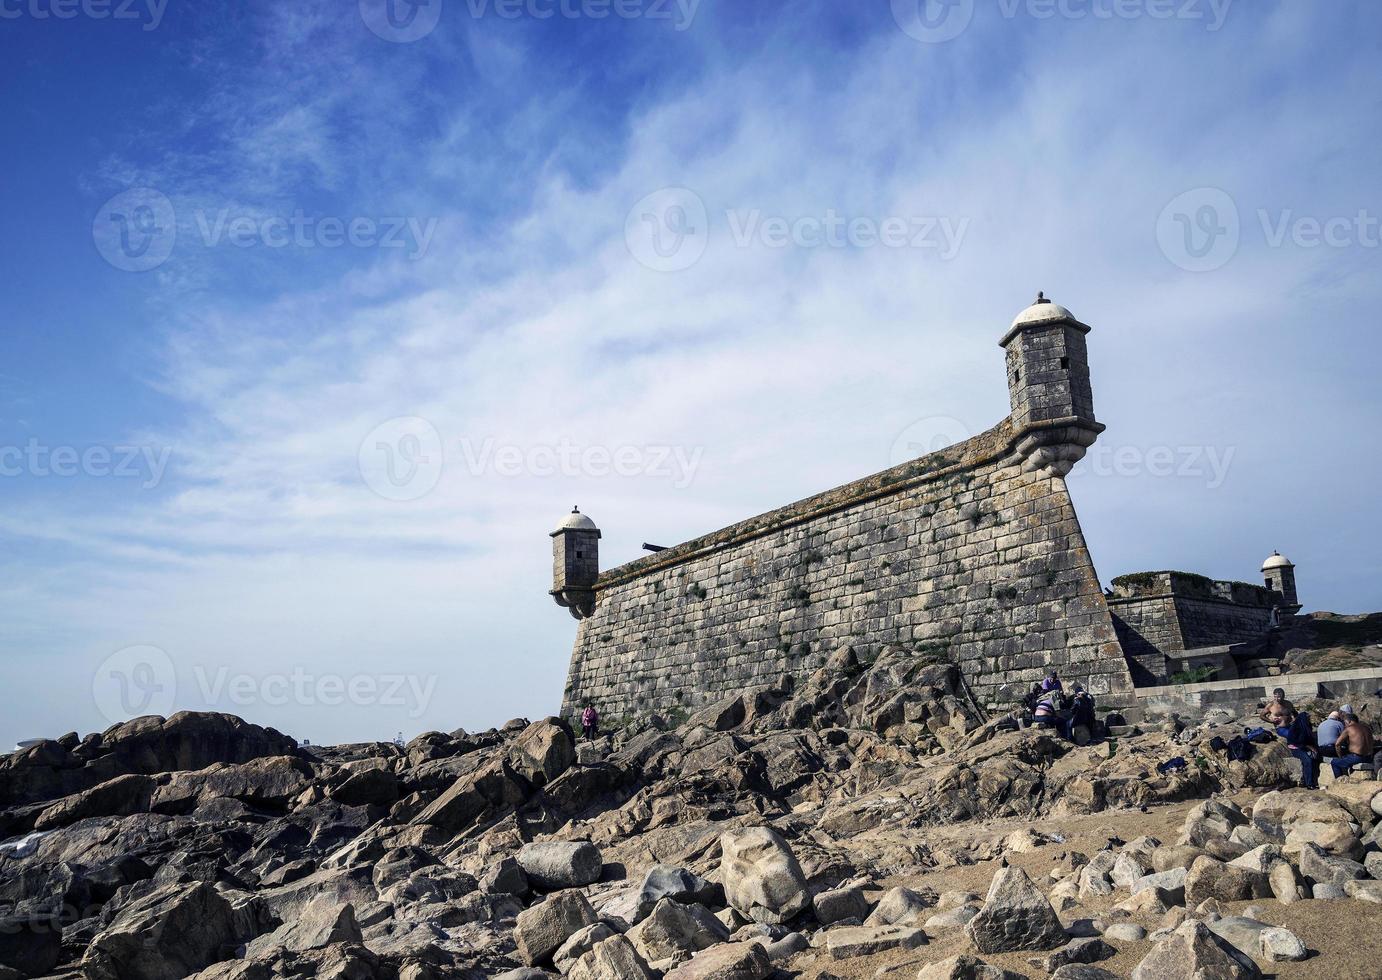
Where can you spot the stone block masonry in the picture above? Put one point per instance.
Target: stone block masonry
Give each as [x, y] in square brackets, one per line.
[972, 555]
[962, 555]
[1159, 614]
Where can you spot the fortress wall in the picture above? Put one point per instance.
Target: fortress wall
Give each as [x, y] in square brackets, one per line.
[961, 555]
[1209, 623]
[1147, 628]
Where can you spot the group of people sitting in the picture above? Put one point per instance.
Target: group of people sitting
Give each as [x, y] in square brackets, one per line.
[1342, 738]
[1050, 707]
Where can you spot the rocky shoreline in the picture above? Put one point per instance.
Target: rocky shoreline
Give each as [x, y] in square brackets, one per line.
[868, 821]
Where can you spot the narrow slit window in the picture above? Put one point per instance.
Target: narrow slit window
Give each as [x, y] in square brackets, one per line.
[1065, 362]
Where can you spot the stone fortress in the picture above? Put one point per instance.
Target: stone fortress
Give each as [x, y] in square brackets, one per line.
[972, 555]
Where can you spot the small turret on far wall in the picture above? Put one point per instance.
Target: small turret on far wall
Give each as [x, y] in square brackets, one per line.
[575, 563]
[1048, 385]
[1280, 577]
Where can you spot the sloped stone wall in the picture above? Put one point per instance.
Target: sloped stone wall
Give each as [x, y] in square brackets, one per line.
[961, 556]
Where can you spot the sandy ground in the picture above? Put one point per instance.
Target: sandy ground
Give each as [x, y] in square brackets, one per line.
[1344, 937]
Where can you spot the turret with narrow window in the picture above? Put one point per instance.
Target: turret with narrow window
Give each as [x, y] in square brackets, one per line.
[1048, 385]
[575, 563]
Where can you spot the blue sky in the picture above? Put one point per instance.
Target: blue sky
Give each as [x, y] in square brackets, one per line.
[385, 306]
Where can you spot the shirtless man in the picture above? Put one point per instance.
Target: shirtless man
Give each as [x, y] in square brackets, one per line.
[1278, 711]
[1354, 745]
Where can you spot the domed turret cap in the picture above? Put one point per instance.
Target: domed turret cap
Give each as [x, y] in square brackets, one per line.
[1277, 560]
[576, 521]
[1042, 313]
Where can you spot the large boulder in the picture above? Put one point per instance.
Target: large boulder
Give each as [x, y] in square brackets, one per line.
[613, 959]
[542, 751]
[485, 794]
[1016, 915]
[268, 782]
[1192, 952]
[901, 907]
[551, 865]
[1208, 878]
[191, 740]
[369, 787]
[118, 797]
[1325, 869]
[840, 904]
[1276, 812]
[322, 923]
[541, 930]
[666, 881]
[676, 931]
[762, 878]
[849, 942]
[167, 934]
[728, 961]
[1209, 821]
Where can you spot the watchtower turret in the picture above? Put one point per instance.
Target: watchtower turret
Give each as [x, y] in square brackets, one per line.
[575, 563]
[1048, 386]
[1281, 579]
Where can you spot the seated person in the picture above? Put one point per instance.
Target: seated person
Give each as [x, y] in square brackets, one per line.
[1301, 741]
[1278, 710]
[1329, 731]
[1277, 713]
[1082, 709]
[1047, 715]
[1354, 745]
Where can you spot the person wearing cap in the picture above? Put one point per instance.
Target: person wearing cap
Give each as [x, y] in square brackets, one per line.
[1330, 729]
